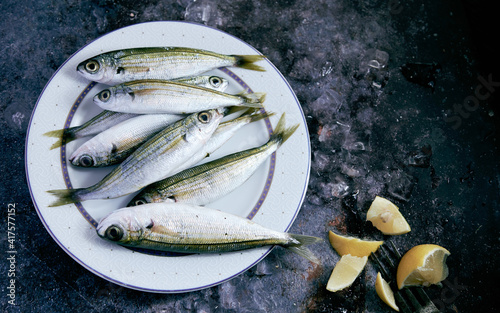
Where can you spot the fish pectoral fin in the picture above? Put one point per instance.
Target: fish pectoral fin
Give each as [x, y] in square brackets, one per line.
[163, 231]
[156, 233]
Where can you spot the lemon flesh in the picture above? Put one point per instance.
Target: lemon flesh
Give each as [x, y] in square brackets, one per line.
[422, 265]
[345, 272]
[385, 292]
[353, 246]
[385, 216]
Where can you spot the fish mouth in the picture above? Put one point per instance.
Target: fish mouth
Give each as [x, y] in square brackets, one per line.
[81, 67]
[98, 231]
[71, 159]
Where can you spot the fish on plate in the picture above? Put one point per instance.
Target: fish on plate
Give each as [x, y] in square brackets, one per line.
[156, 159]
[159, 96]
[210, 181]
[115, 144]
[186, 228]
[107, 119]
[164, 63]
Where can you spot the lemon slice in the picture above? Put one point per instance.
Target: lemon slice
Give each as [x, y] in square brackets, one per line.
[385, 216]
[422, 265]
[345, 272]
[385, 293]
[353, 246]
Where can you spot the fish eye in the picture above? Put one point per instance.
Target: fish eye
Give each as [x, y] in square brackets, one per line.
[204, 117]
[114, 233]
[86, 160]
[92, 66]
[215, 81]
[140, 202]
[105, 95]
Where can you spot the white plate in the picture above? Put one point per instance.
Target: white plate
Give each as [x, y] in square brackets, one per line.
[272, 197]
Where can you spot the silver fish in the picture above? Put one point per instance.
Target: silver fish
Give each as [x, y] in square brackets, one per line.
[180, 227]
[208, 182]
[163, 63]
[157, 96]
[107, 119]
[115, 144]
[156, 159]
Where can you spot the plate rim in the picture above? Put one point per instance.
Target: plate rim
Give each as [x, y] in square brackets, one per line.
[152, 290]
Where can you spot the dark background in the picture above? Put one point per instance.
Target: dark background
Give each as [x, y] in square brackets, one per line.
[322, 48]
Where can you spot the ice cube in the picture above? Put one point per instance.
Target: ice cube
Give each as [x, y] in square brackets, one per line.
[420, 158]
[263, 268]
[339, 188]
[400, 185]
[321, 161]
[328, 103]
[202, 11]
[382, 58]
[374, 67]
[350, 170]
[353, 166]
[354, 146]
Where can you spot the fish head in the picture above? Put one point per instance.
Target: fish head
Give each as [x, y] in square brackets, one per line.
[217, 83]
[205, 124]
[149, 196]
[112, 98]
[100, 69]
[83, 157]
[121, 226]
[143, 198]
[106, 98]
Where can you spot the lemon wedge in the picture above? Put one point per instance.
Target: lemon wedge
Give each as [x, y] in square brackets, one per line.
[422, 265]
[345, 272]
[385, 216]
[353, 246]
[385, 293]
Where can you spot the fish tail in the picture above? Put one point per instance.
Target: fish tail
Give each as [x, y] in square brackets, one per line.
[64, 136]
[281, 133]
[247, 62]
[234, 109]
[65, 196]
[301, 249]
[253, 100]
[258, 114]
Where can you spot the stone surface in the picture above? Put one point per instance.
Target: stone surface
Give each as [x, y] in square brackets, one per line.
[368, 126]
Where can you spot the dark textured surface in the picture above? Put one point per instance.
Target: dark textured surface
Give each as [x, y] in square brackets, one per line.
[373, 132]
